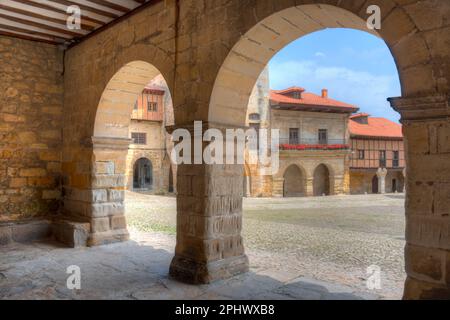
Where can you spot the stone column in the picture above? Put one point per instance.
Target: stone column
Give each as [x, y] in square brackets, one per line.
[404, 180]
[337, 185]
[94, 192]
[426, 127]
[209, 222]
[310, 187]
[381, 174]
[278, 187]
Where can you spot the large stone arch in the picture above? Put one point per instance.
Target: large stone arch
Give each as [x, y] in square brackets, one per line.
[264, 28]
[112, 118]
[294, 181]
[323, 180]
[102, 76]
[96, 174]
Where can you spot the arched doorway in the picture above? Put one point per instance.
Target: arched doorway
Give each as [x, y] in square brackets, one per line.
[294, 182]
[375, 184]
[143, 175]
[321, 182]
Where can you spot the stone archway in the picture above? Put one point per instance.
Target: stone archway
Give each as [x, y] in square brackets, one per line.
[294, 184]
[97, 196]
[273, 26]
[321, 182]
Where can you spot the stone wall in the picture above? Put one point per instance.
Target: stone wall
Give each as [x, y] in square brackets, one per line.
[31, 93]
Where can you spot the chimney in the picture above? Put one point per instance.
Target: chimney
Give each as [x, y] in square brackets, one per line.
[325, 93]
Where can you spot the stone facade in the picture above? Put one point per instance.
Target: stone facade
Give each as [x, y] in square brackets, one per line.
[211, 57]
[158, 144]
[263, 113]
[377, 162]
[31, 99]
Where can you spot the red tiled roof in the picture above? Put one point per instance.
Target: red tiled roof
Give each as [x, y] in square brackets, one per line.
[309, 100]
[376, 127]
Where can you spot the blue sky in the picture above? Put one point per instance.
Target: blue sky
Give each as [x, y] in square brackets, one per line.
[356, 67]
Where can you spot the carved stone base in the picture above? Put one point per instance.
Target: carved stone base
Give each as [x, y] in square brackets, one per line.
[420, 290]
[108, 237]
[193, 272]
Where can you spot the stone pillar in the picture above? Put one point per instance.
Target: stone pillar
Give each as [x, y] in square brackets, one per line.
[310, 187]
[209, 222]
[426, 127]
[404, 180]
[337, 185]
[381, 174]
[278, 187]
[95, 191]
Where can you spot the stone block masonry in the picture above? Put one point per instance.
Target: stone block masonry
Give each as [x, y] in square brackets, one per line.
[31, 99]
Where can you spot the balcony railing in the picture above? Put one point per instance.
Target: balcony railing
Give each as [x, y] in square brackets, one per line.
[313, 144]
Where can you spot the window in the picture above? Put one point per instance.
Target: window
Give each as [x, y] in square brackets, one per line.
[361, 154]
[382, 158]
[396, 159]
[296, 95]
[152, 106]
[254, 117]
[136, 105]
[323, 136]
[139, 137]
[293, 136]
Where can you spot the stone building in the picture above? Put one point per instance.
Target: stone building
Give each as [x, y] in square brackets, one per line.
[314, 142]
[378, 157]
[66, 99]
[148, 161]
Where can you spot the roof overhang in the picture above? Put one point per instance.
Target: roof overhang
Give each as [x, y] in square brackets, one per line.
[368, 137]
[311, 108]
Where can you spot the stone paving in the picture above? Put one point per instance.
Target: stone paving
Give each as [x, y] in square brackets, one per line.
[298, 249]
[138, 270]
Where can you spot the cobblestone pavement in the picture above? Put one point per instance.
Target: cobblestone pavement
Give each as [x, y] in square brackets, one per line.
[309, 248]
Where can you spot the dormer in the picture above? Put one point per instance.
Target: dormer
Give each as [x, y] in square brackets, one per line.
[293, 92]
[361, 118]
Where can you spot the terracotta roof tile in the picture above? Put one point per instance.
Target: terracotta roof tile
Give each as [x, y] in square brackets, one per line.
[376, 127]
[309, 99]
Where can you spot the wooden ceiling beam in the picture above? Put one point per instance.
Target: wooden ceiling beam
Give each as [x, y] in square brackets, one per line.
[49, 7]
[43, 17]
[41, 25]
[88, 8]
[33, 32]
[111, 5]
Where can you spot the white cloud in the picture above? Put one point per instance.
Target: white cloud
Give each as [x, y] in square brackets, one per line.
[368, 91]
[320, 54]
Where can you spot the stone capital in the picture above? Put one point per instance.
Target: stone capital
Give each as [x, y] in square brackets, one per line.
[381, 172]
[423, 108]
